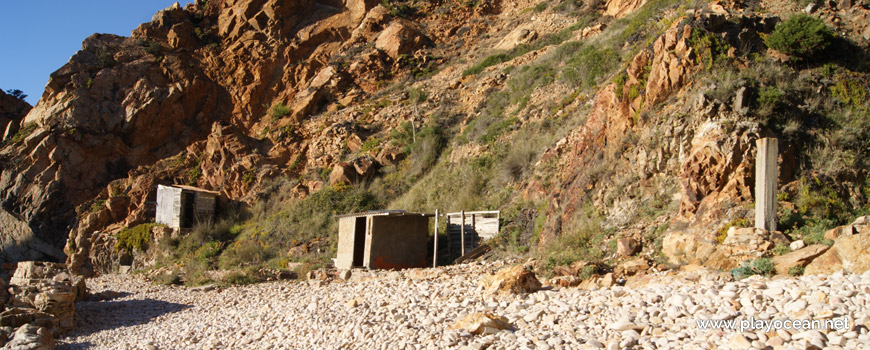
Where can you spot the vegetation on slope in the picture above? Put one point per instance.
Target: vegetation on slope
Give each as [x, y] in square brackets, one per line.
[818, 108]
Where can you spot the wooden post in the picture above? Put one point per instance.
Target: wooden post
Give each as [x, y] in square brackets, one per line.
[435, 247]
[449, 239]
[473, 228]
[766, 174]
[462, 231]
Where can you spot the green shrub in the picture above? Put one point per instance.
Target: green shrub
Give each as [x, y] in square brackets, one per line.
[796, 271]
[851, 91]
[518, 163]
[244, 252]
[154, 48]
[97, 205]
[208, 251]
[205, 234]
[820, 201]
[781, 249]
[370, 145]
[280, 220]
[589, 65]
[709, 48]
[487, 62]
[580, 242]
[769, 98]
[762, 266]
[422, 152]
[814, 232]
[547, 40]
[279, 110]
[22, 133]
[398, 8]
[800, 36]
[137, 237]
[237, 277]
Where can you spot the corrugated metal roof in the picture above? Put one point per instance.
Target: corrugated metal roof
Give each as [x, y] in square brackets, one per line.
[384, 213]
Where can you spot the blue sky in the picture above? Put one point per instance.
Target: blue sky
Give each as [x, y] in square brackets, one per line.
[38, 37]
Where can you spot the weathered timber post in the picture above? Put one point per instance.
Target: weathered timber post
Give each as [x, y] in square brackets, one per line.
[766, 179]
[462, 231]
[435, 247]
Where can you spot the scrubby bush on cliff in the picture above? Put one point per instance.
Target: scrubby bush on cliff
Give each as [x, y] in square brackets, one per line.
[279, 110]
[137, 237]
[800, 36]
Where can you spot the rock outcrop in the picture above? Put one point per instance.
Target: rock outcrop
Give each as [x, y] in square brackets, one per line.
[798, 258]
[849, 252]
[30, 337]
[47, 288]
[198, 83]
[12, 111]
[41, 305]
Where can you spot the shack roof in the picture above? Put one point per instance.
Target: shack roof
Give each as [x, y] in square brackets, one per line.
[384, 213]
[196, 189]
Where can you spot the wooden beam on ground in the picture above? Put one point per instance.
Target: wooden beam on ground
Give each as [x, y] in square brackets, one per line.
[473, 254]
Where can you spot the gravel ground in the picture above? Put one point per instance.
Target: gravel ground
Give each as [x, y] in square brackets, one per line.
[415, 309]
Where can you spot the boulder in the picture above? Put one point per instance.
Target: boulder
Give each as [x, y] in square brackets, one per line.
[564, 281]
[627, 246]
[18, 316]
[516, 279]
[682, 247]
[621, 8]
[800, 257]
[632, 267]
[364, 166]
[46, 287]
[849, 253]
[797, 245]
[516, 38]
[390, 155]
[482, 322]
[400, 38]
[597, 282]
[839, 231]
[342, 172]
[31, 337]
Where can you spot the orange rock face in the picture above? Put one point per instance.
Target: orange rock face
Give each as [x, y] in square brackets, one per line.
[205, 86]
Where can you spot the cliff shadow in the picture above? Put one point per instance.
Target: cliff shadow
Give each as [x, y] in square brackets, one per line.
[95, 316]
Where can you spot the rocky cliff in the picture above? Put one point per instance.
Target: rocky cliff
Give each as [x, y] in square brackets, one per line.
[12, 110]
[637, 110]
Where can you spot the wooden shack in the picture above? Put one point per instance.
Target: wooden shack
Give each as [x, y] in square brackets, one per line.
[384, 239]
[182, 207]
[467, 229]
